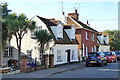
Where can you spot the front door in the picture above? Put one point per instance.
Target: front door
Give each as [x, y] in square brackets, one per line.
[68, 55]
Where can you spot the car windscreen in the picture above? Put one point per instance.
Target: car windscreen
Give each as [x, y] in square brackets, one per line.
[93, 54]
[108, 53]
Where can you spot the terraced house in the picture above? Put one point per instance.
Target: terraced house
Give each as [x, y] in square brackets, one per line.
[86, 35]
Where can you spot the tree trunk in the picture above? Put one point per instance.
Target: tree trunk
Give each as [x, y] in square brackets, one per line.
[42, 60]
[19, 52]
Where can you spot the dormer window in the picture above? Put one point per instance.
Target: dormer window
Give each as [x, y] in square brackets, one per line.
[60, 30]
[73, 32]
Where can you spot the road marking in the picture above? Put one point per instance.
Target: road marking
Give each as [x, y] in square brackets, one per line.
[109, 69]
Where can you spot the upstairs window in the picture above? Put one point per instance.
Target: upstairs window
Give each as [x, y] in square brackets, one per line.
[38, 28]
[60, 31]
[86, 35]
[93, 37]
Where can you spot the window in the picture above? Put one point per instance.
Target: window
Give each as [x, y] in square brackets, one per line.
[73, 54]
[59, 57]
[8, 52]
[29, 54]
[87, 35]
[93, 37]
[92, 49]
[39, 28]
[60, 32]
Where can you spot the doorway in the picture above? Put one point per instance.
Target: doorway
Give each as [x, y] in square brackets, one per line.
[68, 55]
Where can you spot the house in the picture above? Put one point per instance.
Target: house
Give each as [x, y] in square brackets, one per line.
[103, 42]
[85, 35]
[64, 45]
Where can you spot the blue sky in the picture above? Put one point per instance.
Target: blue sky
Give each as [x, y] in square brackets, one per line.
[101, 15]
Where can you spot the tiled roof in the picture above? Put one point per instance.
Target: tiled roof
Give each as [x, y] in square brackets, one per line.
[84, 25]
[100, 33]
[65, 40]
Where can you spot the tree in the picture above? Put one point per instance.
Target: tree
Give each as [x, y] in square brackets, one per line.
[43, 39]
[18, 26]
[5, 13]
[115, 40]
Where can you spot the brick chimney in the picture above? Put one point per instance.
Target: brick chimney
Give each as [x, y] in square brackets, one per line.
[74, 15]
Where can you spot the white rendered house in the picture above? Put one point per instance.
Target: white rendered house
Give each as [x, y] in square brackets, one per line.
[103, 41]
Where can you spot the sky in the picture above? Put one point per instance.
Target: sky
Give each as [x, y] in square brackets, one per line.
[101, 14]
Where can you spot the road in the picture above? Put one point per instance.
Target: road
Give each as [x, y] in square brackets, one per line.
[109, 71]
[112, 70]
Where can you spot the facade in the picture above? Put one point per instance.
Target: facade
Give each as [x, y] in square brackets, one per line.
[103, 42]
[64, 45]
[86, 36]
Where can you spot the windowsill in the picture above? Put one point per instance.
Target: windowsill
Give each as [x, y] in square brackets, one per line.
[7, 56]
[59, 61]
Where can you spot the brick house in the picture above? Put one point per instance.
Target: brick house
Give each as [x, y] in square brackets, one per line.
[86, 36]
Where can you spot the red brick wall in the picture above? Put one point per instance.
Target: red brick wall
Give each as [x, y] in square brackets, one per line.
[88, 43]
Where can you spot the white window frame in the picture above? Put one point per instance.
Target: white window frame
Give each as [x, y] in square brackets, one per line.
[59, 55]
[86, 51]
[95, 48]
[73, 55]
[92, 49]
[83, 50]
[8, 52]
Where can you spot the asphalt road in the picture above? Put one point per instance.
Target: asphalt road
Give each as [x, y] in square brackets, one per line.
[112, 70]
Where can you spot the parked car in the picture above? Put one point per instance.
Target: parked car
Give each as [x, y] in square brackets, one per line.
[111, 56]
[96, 58]
[117, 55]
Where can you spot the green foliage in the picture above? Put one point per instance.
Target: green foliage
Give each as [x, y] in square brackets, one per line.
[43, 39]
[5, 13]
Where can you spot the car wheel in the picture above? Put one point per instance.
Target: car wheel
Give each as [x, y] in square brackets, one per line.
[87, 65]
[106, 63]
[101, 64]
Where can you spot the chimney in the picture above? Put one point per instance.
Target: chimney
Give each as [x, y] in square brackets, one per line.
[63, 13]
[88, 23]
[75, 10]
[74, 15]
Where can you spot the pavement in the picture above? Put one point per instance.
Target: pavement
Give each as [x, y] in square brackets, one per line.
[46, 72]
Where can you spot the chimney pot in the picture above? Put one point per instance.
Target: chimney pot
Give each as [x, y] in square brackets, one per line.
[63, 13]
[75, 10]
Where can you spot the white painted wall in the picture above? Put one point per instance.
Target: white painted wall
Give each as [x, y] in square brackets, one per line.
[65, 47]
[31, 44]
[64, 19]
